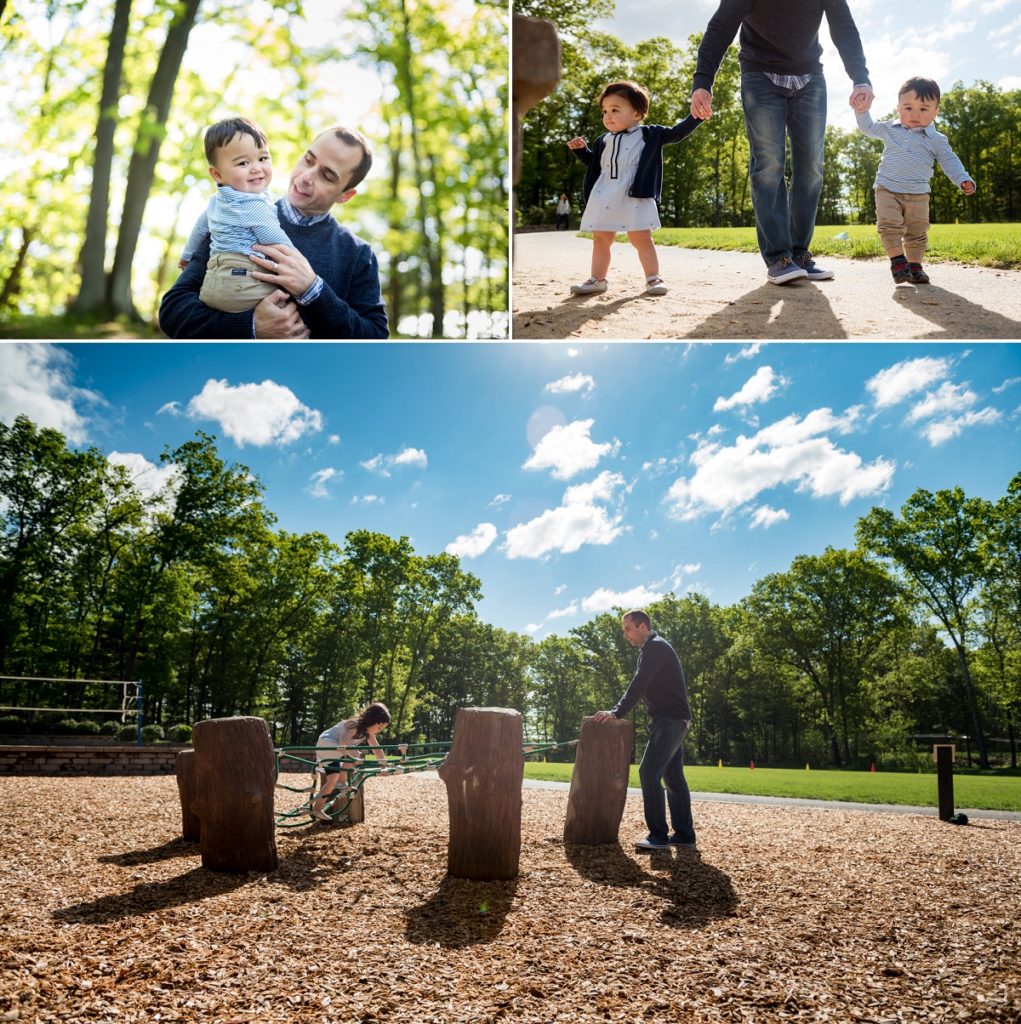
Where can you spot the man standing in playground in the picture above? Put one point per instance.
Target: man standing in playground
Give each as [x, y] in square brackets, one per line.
[659, 683]
[783, 94]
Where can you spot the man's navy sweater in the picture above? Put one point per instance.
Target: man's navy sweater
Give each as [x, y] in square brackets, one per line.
[350, 305]
[780, 36]
[658, 682]
[648, 182]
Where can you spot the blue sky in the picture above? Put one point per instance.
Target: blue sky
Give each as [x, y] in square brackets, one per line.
[569, 478]
[948, 40]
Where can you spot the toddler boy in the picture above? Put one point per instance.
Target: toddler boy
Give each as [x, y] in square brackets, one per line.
[911, 148]
[241, 214]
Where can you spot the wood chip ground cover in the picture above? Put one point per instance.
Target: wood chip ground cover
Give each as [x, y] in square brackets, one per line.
[786, 915]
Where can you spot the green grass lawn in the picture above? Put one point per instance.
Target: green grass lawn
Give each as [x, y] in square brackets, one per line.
[988, 245]
[988, 792]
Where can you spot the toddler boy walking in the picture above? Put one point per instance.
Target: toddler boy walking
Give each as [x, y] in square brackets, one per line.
[911, 148]
[241, 214]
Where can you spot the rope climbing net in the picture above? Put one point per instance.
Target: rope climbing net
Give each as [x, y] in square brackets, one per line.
[298, 801]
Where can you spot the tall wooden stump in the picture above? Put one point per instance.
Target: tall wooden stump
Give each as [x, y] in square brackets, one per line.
[483, 774]
[599, 782]
[356, 808]
[234, 794]
[190, 825]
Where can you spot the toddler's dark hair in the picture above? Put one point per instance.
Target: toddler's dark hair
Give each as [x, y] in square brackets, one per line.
[637, 95]
[923, 88]
[222, 132]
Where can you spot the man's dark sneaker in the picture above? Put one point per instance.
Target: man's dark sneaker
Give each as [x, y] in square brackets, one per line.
[652, 843]
[815, 273]
[784, 270]
[676, 840]
[918, 275]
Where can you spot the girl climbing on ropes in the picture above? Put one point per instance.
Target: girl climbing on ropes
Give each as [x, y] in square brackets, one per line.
[363, 728]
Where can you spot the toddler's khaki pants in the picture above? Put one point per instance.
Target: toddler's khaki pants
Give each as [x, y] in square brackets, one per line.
[229, 285]
[902, 220]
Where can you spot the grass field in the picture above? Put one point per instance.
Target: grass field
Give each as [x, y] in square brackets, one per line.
[986, 792]
[987, 245]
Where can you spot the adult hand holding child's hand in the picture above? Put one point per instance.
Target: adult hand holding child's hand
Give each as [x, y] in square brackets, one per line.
[862, 97]
[702, 104]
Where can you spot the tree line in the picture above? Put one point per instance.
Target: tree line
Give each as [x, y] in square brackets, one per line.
[104, 147]
[196, 591]
[705, 180]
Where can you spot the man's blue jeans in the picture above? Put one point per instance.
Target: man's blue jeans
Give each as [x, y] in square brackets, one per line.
[663, 763]
[784, 222]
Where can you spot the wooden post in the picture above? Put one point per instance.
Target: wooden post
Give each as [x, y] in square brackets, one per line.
[944, 755]
[483, 774]
[234, 794]
[356, 808]
[599, 781]
[190, 824]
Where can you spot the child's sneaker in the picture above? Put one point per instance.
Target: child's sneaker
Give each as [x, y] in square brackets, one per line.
[918, 275]
[589, 287]
[655, 285]
[900, 270]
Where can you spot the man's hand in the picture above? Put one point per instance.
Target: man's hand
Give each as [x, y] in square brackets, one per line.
[862, 97]
[605, 716]
[702, 104]
[277, 317]
[577, 143]
[968, 187]
[286, 268]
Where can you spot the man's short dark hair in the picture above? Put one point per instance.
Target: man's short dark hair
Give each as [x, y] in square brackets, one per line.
[923, 88]
[637, 95]
[353, 137]
[638, 617]
[222, 132]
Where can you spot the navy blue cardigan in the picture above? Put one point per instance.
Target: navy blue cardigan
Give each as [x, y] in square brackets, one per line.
[648, 183]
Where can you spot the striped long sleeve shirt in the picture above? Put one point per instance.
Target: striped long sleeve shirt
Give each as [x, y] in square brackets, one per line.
[235, 221]
[910, 154]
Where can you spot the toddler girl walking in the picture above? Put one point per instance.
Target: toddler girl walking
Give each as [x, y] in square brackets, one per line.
[623, 181]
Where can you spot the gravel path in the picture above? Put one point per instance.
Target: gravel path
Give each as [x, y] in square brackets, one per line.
[725, 295]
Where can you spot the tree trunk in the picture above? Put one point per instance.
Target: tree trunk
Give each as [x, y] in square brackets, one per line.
[190, 825]
[599, 782]
[12, 285]
[147, 147]
[234, 788]
[92, 292]
[483, 774]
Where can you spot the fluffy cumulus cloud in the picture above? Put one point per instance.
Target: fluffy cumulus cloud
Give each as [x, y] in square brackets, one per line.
[578, 520]
[605, 600]
[255, 414]
[37, 380]
[318, 485]
[384, 464]
[767, 517]
[760, 387]
[897, 382]
[939, 431]
[567, 449]
[748, 352]
[149, 478]
[572, 383]
[471, 545]
[946, 398]
[793, 451]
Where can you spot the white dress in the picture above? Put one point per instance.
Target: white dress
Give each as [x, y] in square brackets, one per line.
[609, 207]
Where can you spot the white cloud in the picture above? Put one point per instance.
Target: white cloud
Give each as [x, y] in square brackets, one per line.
[1010, 381]
[532, 628]
[149, 478]
[767, 517]
[571, 383]
[320, 478]
[748, 352]
[500, 499]
[605, 600]
[564, 613]
[895, 383]
[790, 451]
[560, 589]
[567, 450]
[760, 387]
[577, 521]
[947, 398]
[367, 499]
[471, 545]
[256, 414]
[382, 464]
[939, 431]
[333, 439]
[36, 380]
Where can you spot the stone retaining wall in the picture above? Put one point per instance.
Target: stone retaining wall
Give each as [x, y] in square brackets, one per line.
[89, 760]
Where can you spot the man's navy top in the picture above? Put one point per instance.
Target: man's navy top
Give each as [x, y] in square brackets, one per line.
[780, 37]
[348, 306]
[658, 682]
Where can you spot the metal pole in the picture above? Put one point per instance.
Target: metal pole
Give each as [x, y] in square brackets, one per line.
[945, 779]
[138, 717]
